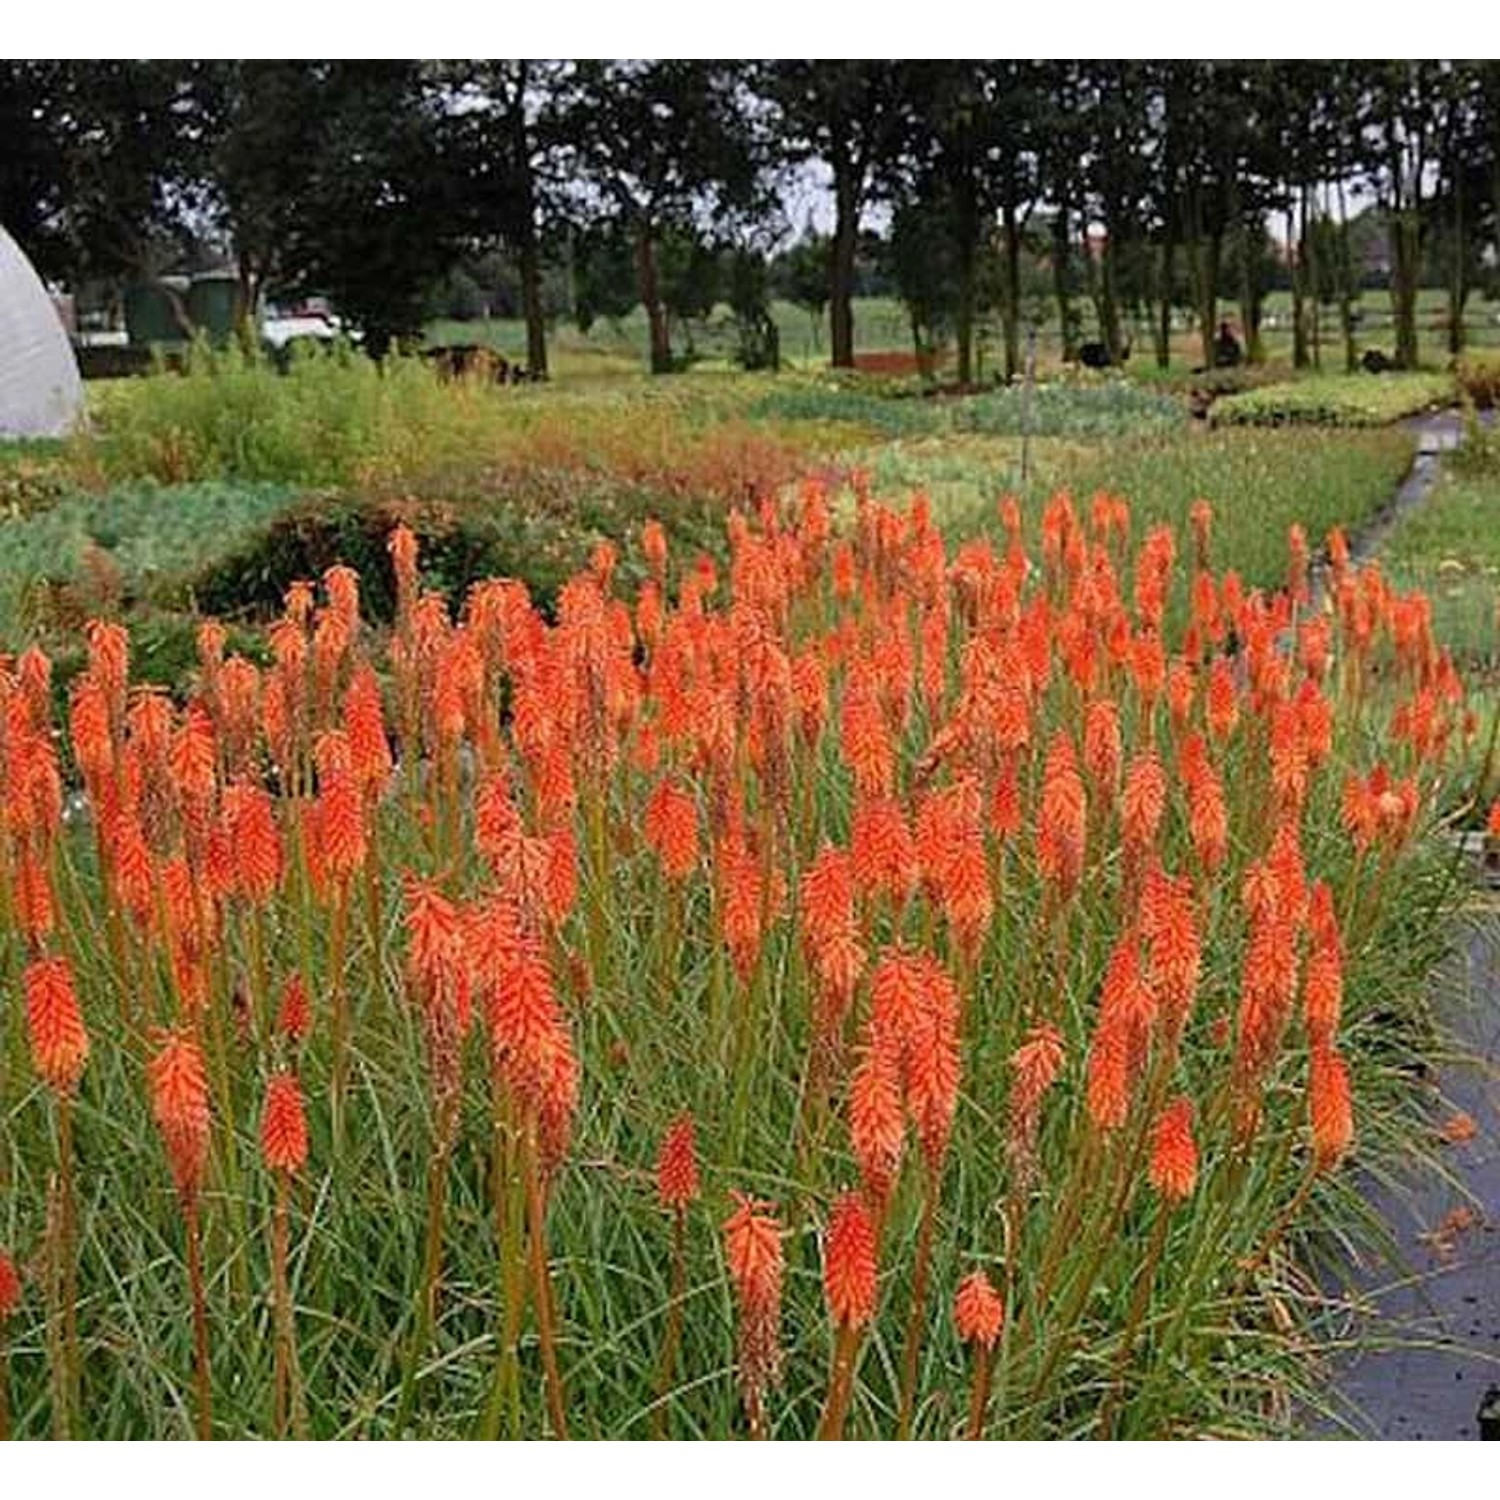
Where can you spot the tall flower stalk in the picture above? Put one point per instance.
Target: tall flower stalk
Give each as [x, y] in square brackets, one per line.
[59, 1051]
[180, 1105]
[283, 1141]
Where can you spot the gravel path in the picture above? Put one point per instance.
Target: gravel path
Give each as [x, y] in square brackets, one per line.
[1428, 1312]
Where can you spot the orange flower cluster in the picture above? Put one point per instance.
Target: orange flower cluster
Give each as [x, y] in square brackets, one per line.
[929, 822]
[849, 1263]
[180, 1105]
[677, 1165]
[752, 1248]
[978, 1311]
[283, 1125]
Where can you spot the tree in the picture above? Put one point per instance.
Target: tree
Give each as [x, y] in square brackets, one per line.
[33, 190]
[656, 145]
[604, 275]
[1405, 107]
[1060, 146]
[504, 115]
[925, 259]
[857, 118]
[114, 159]
[800, 275]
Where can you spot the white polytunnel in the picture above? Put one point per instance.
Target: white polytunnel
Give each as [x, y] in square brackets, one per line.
[41, 392]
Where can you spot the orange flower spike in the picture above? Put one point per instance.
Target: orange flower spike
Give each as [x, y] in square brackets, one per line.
[1036, 1064]
[1330, 1107]
[34, 678]
[59, 1039]
[283, 1125]
[1174, 1153]
[1062, 817]
[1102, 752]
[752, 1248]
[10, 1287]
[877, 1126]
[89, 726]
[654, 549]
[978, 1311]
[850, 1268]
[180, 1106]
[1142, 803]
[1323, 978]
[338, 828]
[109, 662]
[1182, 685]
[1108, 1083]
[1222, 702]
[294, 1016]
[670, 825]
[255, 841]
[402, 546]
[932, 1060]
[35, 910]
[1297, 559]
[1169, 924]
[364, 725]
[1208, 820]
[677, 1164]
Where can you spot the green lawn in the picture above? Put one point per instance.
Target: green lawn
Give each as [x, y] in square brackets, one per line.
[881, 324]
[1450, 547]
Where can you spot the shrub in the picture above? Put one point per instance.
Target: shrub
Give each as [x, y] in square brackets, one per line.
[1336, 401]
[1478, 373]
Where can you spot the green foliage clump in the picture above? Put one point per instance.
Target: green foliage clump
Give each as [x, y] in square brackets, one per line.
[1336, 401]
[91, 554]
[329, 419]
[1059, 409]
[1478, 373]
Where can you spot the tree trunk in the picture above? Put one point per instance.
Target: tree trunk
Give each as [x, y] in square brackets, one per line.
[1458, 291]
[1164, 323]
[1249, 284]
[656, 314]
[967, 228]
[1346, 286]
[1061, 245]
[528, 253]
[1109, 305]
[1207, 259]
[531, 306]
[841, 266]
[1010, 301]
[1297, 253]
[1405, 271]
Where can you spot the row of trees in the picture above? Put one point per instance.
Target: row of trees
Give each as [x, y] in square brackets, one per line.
[1150, 183]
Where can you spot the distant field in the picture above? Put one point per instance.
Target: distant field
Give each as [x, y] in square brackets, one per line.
[880, 324]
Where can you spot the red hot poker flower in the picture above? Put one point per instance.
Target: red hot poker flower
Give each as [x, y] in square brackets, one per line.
[59, 1040]
[670, 824]
[1174, 1153]
[1330, 1107]
[752, 1247]
[294, 1020]
[283, 1125]
[10, 1287]
[978, 1311]
[179, 1103]
[877, 1127]
[677, 1165]
[849, 1263]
